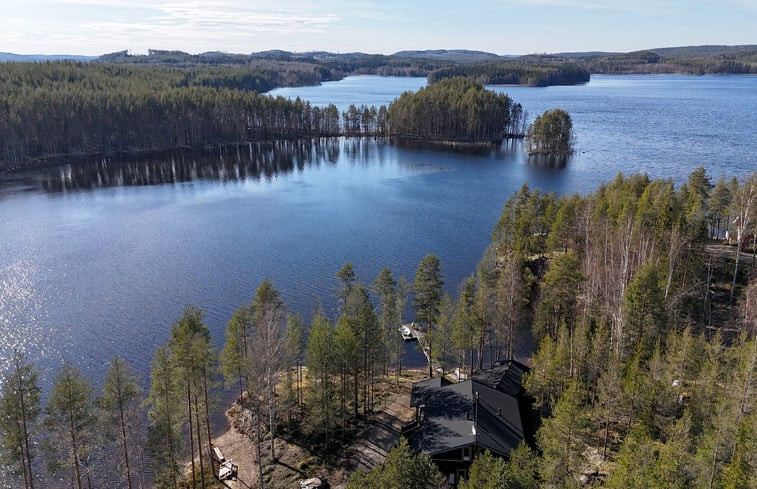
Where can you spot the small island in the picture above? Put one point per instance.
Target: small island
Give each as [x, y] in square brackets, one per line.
[550, 134]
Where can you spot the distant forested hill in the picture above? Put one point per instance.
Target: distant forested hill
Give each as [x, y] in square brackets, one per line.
[452, 55]
[696, 60]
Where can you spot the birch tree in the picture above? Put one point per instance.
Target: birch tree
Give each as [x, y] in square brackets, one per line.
[744, 207]
[268, 349]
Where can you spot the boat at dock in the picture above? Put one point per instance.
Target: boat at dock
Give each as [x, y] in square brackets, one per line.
[408, 332]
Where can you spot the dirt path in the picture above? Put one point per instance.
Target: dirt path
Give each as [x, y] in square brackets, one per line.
[240, 450]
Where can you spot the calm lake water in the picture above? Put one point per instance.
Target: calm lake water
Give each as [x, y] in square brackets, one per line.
[100, 259]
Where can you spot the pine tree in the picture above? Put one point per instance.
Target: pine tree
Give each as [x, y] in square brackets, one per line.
[295, 337]
[348, 278]
[402, 469]
[164, 435]
[361, 318]
[345, 352]
[234, 355]
[512, 297]
[521, 468]
[441, 335]
[19, 410]
[319, 359]
[719, 204]
[192, 358]
[70, 421]
[561, 439]
[558, 297]
[486, 472]
[428, 290]
[463, 328]
[385, 287]
[428, 294]
[644, 311]
[121, 403]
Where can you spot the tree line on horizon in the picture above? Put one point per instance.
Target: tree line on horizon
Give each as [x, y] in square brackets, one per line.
[528, 69]
[644, 373]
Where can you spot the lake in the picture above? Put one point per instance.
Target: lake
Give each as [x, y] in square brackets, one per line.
[99, 259]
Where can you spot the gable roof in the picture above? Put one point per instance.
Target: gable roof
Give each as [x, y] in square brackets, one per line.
[487, 410]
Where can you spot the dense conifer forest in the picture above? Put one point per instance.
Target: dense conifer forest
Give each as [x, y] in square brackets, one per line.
[66, 109]
[59, 109]
[537, 72]
[551, 133]
[644, 368]
[456, 110]
[696, 60]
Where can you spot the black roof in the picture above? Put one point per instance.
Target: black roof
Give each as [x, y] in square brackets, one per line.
[489, 410]
[424, 387]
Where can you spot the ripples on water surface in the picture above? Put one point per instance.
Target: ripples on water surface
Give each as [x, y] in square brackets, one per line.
[99, 259]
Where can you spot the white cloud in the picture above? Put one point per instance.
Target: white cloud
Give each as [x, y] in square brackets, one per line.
[218, 16]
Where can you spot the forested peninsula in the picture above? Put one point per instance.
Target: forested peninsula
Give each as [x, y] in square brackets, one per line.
[536, 73]
[64, 109]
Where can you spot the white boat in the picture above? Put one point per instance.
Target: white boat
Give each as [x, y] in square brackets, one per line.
[408, 334]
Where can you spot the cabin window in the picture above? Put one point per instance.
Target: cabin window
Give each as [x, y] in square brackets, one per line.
[467, 453]
[452, 479]
[462, 474]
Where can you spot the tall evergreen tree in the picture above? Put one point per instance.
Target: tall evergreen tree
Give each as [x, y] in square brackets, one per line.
[19, 410]
[644, 311]
[234, 355]
[295, 338]
[164, 435]
[320, 362]
[347, 277]
[70, 421]
[719, 204]
[345, 350]
[385, 287]
[558, 297]
[428, 294]
[561, 439]
[192, 356]
[121, 403]
[361, 318]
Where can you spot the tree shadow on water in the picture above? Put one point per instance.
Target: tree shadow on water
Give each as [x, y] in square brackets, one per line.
[548, 160]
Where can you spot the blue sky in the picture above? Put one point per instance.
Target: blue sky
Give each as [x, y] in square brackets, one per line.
[92, 27]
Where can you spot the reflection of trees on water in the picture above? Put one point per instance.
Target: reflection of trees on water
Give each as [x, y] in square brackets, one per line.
[251, 161]
[221, 163]
[548, 160]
